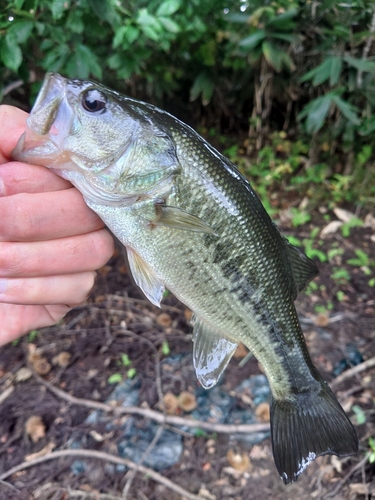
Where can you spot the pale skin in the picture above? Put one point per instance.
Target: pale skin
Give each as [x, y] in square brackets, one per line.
[51, 243]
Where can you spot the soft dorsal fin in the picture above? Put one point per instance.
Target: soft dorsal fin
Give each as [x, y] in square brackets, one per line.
[145, 278]
[212, 353]
[304, 269]
[179, 219]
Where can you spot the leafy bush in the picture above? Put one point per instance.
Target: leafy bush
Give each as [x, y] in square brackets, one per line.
[306, 68]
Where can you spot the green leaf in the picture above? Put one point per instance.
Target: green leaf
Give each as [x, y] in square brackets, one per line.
[336, 65]
[286, 37]
[127, 71]
[165, 348]
[368, 126]
[144, 18]
[273, 55]
[323, 72]
[168, 8]
[203, 85]
[82, 63]
[286, 61]
[250, 42]
[151, 33]
[360, 64]
[131, 373]
[18, 4]
[237, 18]
[131, 33]
[346, 109]
[56, 57]
[105, 10]
[57, 8]
[32, 335]
[169, 24]
[115, 61]
[10, 54]
[326, 70]
[125, 360]
[316, 112]
[115, 378]
[360, 414]
[299, 217]
[283, 21]
[75, 22]
[119, 36]
[20, 31]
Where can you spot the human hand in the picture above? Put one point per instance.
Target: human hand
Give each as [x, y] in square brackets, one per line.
[51, 243]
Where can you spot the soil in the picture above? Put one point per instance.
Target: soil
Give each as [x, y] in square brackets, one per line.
[117, 319]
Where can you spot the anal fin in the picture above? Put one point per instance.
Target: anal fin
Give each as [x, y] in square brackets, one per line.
[212, 353]
[145, 278]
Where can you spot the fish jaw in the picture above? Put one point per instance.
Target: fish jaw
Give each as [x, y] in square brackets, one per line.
[49, 124]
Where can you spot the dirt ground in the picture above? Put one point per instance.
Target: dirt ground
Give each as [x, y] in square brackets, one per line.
[78, 356]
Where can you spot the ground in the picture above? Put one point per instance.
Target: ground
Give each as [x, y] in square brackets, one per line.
[87, 350]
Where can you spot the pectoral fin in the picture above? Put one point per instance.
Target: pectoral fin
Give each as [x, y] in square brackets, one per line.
[212, 353]
[179, 219]
[145, 278]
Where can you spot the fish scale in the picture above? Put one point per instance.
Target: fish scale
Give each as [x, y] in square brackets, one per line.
[191, 223]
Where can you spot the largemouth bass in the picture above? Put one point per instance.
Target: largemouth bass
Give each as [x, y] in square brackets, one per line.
[192, 223]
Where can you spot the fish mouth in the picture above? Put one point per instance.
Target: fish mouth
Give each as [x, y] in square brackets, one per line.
[50, 122]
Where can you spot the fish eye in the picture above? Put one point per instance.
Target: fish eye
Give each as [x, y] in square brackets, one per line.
[93, 100]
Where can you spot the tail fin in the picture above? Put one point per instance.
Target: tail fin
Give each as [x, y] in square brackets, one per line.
[307, 426]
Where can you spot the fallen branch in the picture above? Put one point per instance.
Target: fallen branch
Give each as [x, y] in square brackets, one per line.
[108, 458]
[366, 365]
[341, 483]
[155, 415]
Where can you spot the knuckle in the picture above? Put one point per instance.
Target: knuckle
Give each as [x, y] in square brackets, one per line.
[104, 247]
[87, 282]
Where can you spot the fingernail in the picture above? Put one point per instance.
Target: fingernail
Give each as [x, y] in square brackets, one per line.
[3, 285]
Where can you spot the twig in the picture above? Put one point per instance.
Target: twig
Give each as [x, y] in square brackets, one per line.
[108, 458]
[156, 415]
[8, 485]
[56, 488]
[6, 393]
[366, 365]
[12, 86]
[142, 459]
[347, 476]
[159, 389]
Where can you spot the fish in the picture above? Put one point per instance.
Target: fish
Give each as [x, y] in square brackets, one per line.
[192, 224]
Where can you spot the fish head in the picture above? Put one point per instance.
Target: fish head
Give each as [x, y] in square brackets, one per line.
[96, 138]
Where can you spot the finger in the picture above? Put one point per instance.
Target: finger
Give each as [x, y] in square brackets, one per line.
[45, 216]
[17, 177]
[12, 125]
[16, 320]
[69, 289]
[75, 254]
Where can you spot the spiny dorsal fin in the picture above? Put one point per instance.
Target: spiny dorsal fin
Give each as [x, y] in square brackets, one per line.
[212, 353]
[179, 219]
[304, 269]
[145, 278]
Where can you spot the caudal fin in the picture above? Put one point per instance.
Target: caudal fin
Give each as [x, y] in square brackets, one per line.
[307, 426]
